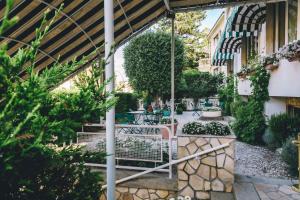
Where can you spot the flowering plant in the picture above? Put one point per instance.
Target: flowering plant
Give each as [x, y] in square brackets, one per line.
[217, 128]
[211, 128]
[290, 51]
[193, 128]
[272, 59]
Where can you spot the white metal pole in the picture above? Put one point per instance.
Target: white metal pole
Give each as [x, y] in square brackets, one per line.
[172, 87]
[110, 115]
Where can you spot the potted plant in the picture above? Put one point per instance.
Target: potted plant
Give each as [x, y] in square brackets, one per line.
[167, 122]
[291, 51]
[245, 71]
[212, 112]
[271, 62]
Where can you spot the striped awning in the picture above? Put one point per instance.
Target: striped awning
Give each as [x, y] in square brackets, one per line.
[244, 21]
[79, 29]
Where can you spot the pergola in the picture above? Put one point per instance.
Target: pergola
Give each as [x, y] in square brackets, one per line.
[84, 25]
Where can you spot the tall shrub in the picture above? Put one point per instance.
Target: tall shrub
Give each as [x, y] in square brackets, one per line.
[250, 123]
[282, 126]
[148, 63]
[126, 102]
[33, 120]
[226, 95]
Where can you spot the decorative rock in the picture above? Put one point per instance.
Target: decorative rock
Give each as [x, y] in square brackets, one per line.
[136, 198]
[192, 148]
[182, 152]
[118, 194]
[183, 141]
[202, 195]
[220, 160]
[225, 176]
[102, 197]
[229, 164]
[204, 171]
[194, 163]
[217, 186]
[206, 147]
[220, 151]
[187, 192]
[196, 182]
[162, 193]
[182, 184]
[287, 190]
[230, 151]
[127, 196]
[200, 142]
[153, 196]
[214, 142]
[207, 186]
[142, 193]
[213, 173]
[211, 161]
[122, 189]
[151, 191]
[182, 175]
[132, 190]
[181, 165]
[188, 169]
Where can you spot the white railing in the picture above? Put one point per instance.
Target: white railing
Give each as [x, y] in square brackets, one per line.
[174, 162]
[148, 132]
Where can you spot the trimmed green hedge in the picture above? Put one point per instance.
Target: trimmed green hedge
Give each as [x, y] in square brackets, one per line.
[126, 102]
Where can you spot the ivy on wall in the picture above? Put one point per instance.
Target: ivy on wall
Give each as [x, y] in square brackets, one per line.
[250, 122]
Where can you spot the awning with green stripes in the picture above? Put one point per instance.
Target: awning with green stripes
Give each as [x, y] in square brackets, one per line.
[244, 21]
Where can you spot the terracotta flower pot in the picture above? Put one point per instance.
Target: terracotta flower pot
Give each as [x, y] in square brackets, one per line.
[165, 133]
[271, 67]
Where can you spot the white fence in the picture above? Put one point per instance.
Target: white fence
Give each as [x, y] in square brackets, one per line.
[138, 147]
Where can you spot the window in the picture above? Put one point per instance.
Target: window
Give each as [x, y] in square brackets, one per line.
[281, 24]
[292, 19]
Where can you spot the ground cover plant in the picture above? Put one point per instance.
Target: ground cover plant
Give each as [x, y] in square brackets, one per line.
[34, 121]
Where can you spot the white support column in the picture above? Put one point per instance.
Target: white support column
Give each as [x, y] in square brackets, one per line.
[110, 115]
[172, 85]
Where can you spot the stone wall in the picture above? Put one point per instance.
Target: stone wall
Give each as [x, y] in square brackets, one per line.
[126, 193]
[211, 172]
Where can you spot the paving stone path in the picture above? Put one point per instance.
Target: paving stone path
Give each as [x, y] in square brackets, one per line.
[276, 192]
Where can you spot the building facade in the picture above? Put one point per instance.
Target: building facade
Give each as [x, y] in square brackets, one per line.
[263, 29]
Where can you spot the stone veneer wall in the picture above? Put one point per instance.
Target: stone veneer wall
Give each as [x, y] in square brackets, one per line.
[126, 193]
[211, 172]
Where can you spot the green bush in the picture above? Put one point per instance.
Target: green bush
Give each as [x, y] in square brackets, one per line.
[126, 102]
[250, 124]
[147, 61]
[179, 111]
[193, 128]
[283, 126]
[269, 140]
[289, 155]
[211, 128]
[226, 95]
[216, 128]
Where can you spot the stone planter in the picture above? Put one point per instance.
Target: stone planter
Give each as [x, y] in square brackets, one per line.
[212, 114]
[212, 172]
[165, 133]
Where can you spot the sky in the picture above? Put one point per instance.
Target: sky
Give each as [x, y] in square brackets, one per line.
[212, 17]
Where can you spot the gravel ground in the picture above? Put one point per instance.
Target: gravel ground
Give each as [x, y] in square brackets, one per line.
[259, 161]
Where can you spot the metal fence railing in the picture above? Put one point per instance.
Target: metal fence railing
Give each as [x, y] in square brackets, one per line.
[137, 147]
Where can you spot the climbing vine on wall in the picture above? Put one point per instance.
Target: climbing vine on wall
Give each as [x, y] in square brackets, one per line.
[250, 122]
